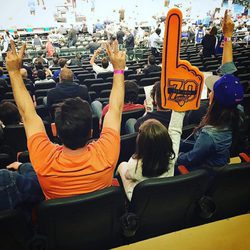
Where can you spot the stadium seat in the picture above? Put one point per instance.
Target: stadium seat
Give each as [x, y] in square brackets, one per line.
[89, 221]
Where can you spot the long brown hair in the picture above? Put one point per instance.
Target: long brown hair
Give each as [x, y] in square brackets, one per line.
[154, 147]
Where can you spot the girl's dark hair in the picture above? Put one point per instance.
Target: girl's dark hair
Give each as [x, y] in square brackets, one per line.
[221, 117]
[154, 147]
[213, 31]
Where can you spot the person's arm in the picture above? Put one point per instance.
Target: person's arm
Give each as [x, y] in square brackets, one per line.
[116, 100]
[32, 122]
[227, 28]
[202, 148]
[96, 53]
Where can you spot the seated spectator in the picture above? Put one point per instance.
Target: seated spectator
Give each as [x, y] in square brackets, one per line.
[9, 114]
[151, 67]
[50, 48]
[75, 167]
[2, 75]
[156, 152]
[41, 74]
[55, 63]
[28, 83]
[40, 58]
[218, 132]
[62, 62]
[106, 66]
[78, 60]
[66, 88]
[93, 46]
[130, 98]
[160, 114]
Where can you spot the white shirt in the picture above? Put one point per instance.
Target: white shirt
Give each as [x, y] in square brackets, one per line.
[99, 69]
[155, 40]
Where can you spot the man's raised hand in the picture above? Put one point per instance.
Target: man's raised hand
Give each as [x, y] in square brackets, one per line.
[117, 58]
[14, 59]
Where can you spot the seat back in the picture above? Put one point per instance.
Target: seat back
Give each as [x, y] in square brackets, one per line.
[165, 205]
[230, 191]
[89, 221]
[14, 231]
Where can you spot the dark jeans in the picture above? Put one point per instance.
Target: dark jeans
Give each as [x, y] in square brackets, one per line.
[19, 188]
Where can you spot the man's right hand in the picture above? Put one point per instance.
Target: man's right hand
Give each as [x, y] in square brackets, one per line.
[117, 58]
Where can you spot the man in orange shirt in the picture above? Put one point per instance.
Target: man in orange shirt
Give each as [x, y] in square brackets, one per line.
[75, 167]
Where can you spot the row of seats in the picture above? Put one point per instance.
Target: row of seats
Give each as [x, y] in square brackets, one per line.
[104, 219]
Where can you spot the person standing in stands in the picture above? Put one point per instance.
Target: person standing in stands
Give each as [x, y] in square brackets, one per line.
[219, 130]
[75, 167]
[72, 37]
[199, 34]
[209, 42]
[155, 42]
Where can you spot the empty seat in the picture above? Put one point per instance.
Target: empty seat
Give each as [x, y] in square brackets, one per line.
[149, 81]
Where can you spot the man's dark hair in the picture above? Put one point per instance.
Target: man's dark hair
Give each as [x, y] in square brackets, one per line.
[55, 61]
[151, 60]
[105, 62]
[73, 121]
[131, 92]
[158, 31]
[41, 74]
[9, 114]
[62, 62]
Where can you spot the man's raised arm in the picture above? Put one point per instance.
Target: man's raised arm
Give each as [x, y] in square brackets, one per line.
[32, 122]
[116, 100]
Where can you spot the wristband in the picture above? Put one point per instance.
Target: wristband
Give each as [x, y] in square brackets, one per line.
[119, 72]
[227, 39]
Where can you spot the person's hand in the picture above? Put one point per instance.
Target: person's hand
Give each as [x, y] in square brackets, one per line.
[227, 25]
[14, 59]
[15, 165]
[117, 58]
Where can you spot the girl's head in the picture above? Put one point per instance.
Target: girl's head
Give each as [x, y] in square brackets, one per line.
[154, 147]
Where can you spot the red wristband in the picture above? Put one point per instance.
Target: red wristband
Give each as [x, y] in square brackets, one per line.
[119, 71]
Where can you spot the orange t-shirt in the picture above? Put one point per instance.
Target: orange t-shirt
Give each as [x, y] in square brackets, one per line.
[61, 174]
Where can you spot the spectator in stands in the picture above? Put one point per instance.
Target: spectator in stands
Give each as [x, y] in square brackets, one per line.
[75, 167]
[119, 36]
[50, 48]
[151, 67]
[130, 44]
[219, 129]
[40, 58]
[159, 114]
[199, 34]
[106, 66]
[93, 46]
[9, 114]
[130, 99]
[55, 62]
[28, 83]
[41, 74]
[62, 62]
[72, 37]
[2, 75]
[77, 61]
[37, 42]
[66, 88]
[209, 42]
[156, 152]
[155, 42]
